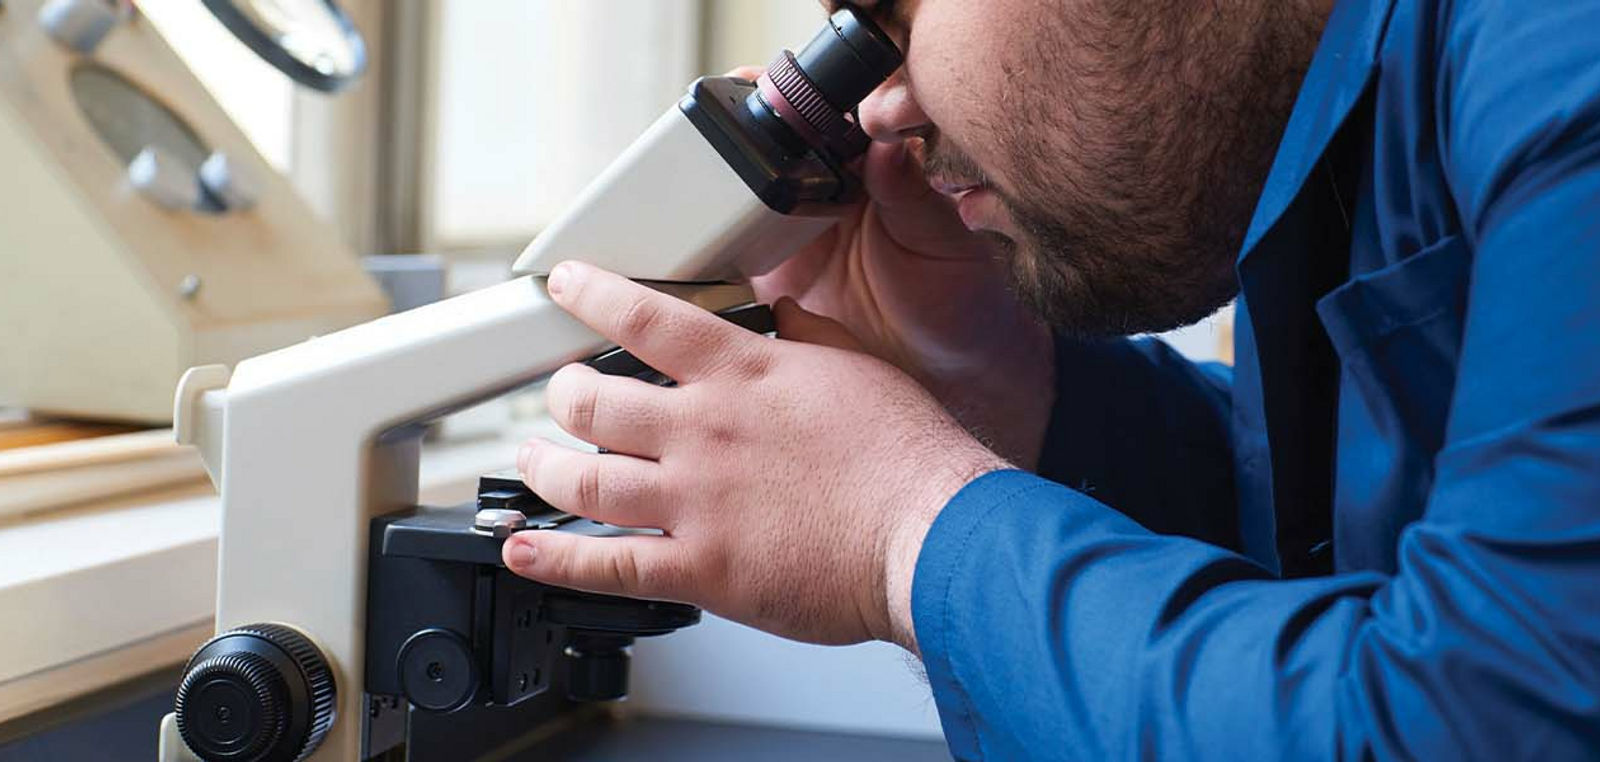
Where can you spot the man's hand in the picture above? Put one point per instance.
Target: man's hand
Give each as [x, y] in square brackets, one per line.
[794, 478]
[916, 288]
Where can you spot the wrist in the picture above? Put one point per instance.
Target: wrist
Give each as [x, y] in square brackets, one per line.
[903, 540]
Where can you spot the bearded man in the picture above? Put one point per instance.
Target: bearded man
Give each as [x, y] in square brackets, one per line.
[1378, 535]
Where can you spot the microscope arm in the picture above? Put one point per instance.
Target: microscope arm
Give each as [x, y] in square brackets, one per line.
[309, 443]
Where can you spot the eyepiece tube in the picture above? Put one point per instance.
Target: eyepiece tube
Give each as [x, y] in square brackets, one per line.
[848, 58]
[814, 91]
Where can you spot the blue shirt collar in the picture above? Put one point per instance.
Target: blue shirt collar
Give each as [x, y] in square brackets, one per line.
[1339, 73]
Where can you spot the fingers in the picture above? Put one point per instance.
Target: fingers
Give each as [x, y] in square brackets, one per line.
[796, 323]
[609, 487]
[751, 73]
[620, 414]
[670, 335]
[643, 566]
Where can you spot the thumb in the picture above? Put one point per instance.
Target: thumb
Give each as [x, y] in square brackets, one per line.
[796, 323]
[641, 566]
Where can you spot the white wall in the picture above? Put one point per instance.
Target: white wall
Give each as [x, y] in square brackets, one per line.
[534, 97]
[1203, 340]
[724, 671]
[751, 32]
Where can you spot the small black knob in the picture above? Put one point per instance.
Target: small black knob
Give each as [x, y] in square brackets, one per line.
[438, 671]
[260, 693]
[597, 665]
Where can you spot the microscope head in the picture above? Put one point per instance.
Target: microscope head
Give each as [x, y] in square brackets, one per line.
[736, 177]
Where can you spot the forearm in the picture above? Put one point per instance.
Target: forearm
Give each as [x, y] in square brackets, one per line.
[1109, 404]
[1121, 643]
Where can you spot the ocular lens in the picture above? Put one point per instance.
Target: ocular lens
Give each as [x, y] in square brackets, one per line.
[848, 58]
[814, 91]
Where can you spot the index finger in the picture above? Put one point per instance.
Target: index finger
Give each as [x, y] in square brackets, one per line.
[668, 334]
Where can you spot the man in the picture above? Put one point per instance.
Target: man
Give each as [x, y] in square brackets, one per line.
[1379, 536]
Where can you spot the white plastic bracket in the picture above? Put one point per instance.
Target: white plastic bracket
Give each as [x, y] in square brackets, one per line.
[172, 748]
[198, 415]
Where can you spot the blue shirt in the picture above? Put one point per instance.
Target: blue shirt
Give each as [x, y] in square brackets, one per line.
[1379, 534]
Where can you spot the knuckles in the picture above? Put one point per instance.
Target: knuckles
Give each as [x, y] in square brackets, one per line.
[658, 576]
[586, 487]
[641, 317]
[751, 360]
[579, 406]
[620, 570]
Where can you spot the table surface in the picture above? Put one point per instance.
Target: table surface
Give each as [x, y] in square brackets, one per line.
[121, 725]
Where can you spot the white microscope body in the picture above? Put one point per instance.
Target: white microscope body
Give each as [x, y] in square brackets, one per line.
[310, 443]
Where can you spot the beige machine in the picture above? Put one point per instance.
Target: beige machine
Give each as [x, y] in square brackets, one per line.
[140, 231]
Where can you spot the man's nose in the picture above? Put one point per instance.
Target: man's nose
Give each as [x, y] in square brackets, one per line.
[890, 114]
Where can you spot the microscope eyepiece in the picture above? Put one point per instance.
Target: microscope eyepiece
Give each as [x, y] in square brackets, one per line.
[848, 58]
[813, 92]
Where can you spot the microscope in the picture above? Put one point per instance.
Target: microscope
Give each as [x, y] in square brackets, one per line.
[354, 624]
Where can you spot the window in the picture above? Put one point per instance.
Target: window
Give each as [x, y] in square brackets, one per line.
[258, 97]
[533, 98]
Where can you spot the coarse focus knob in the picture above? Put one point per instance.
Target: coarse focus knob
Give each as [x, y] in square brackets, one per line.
[259, 693]
[81, 24]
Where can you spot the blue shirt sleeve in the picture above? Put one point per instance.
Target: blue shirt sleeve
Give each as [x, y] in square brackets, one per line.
[1053, 626]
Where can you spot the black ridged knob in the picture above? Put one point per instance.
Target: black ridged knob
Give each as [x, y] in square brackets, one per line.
[259, 693]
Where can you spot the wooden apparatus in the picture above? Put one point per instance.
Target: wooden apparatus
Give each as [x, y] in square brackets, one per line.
[117, 272]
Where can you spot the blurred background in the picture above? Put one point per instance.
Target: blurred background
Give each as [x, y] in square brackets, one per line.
[468, 128]
[476, 121]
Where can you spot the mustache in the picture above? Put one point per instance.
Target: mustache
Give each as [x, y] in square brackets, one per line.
[942, 159]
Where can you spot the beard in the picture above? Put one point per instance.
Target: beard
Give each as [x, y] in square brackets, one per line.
[1130, 188]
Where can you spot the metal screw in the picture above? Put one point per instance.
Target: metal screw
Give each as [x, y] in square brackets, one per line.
[499, 522]
[189, 287]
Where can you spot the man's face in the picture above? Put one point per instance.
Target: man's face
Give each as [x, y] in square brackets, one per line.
[1114, 147]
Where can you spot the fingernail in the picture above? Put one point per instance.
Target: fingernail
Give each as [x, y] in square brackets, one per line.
[521, 555]
[557, 282]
